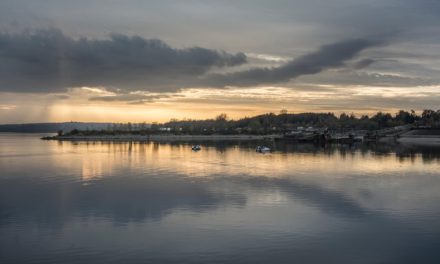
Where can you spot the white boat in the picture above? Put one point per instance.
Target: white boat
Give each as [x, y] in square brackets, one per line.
[262, 149]
[196, 147]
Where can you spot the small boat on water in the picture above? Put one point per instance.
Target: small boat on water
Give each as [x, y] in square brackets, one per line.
[196, 147]
[262, 149]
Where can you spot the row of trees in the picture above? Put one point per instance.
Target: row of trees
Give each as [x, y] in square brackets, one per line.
[277, 123]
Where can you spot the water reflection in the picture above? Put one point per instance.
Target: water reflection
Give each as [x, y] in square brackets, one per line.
[96, 202]
[121, 199]
[327, 200]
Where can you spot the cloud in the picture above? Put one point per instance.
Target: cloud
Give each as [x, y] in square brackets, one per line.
[49, 61]
[327, 57]
[7, 107]
[363, 64]
[267, 57]
[60, 96]
[128, 98]
[356, 78]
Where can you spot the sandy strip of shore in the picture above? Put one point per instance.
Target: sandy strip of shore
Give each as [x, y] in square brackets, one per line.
[420, 140]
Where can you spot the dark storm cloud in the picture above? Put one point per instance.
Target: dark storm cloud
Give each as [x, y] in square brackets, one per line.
[327, 57]
[49, 61]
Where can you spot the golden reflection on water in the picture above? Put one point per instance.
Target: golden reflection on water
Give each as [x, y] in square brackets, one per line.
[98, 159]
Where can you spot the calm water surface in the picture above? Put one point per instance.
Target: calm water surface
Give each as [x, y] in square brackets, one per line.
[63, 202]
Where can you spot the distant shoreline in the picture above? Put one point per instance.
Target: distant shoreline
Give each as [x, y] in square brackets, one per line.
[142, 138]
[413, 137]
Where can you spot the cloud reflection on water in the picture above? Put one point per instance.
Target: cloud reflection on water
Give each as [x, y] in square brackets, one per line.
[300, 203]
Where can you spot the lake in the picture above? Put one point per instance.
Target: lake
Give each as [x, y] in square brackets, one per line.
[101, 202]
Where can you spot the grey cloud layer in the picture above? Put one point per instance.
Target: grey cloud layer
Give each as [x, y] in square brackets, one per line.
[328, 56]
[48, 60]
[129, 98]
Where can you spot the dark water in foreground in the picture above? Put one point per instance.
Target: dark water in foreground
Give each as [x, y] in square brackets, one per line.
[162, 203]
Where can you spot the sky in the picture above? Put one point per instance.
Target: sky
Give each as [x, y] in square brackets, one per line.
[135, 61]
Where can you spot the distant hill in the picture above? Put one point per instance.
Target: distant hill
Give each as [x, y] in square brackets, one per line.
[53, 127]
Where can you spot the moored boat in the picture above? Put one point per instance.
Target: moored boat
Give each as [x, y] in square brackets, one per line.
[262, 149]
[196, 147]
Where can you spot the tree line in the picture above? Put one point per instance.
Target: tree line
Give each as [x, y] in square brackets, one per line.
[278, 123]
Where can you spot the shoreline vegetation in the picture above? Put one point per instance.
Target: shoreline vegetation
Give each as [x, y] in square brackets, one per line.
[304, 127]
